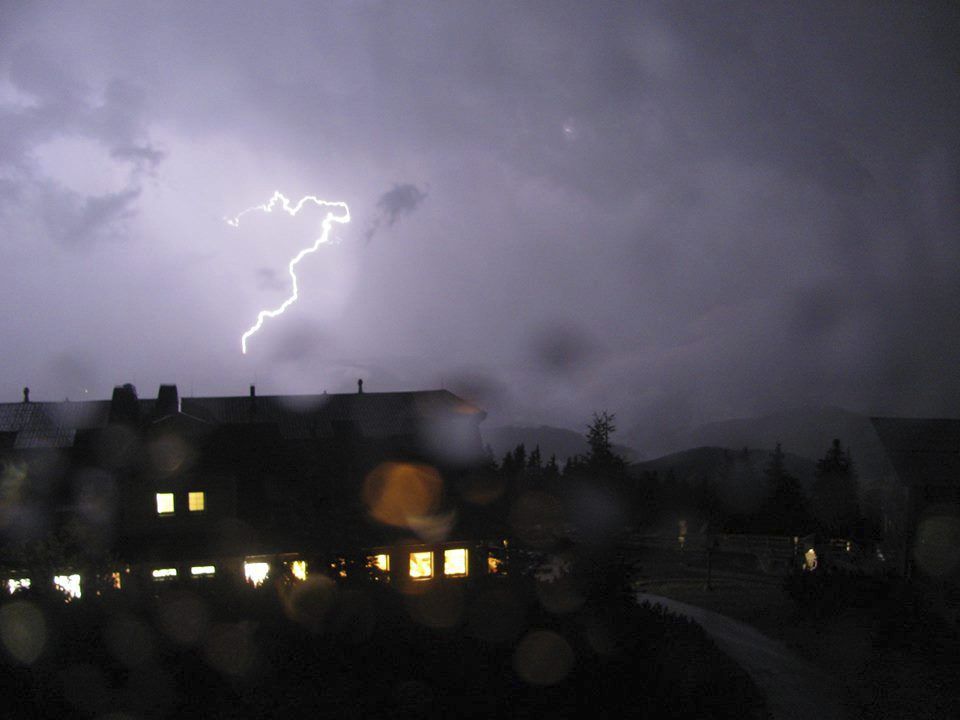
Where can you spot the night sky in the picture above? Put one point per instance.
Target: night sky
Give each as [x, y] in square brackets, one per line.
[677, 212]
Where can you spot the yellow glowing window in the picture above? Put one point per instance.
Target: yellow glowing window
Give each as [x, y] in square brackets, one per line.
[421, 565]
[164, 573]
[256, 573]
[68, 584]
[455, 562]
[200, 570]
[298, 568]
[164, 503]
[381, 562]
[495, 565]
[196, 501]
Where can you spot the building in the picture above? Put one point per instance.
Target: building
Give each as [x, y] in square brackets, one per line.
[165, 487]
[923, 505]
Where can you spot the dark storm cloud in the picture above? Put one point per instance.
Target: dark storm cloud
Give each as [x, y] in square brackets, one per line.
[400, 200]
[711, 209]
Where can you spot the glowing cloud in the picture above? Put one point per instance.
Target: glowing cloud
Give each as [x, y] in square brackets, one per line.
[279, 200]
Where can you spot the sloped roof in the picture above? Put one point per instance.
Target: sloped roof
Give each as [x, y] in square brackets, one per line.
[922, 450]
[45, 424]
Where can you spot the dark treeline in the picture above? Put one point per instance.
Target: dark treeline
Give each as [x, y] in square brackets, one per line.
[717, 490]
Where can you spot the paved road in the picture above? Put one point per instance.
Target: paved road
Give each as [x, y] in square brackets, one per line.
[795, 690]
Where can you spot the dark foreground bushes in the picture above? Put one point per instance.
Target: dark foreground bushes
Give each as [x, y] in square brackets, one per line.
[495, 647]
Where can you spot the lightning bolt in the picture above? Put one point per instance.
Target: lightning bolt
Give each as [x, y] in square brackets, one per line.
[279, 200]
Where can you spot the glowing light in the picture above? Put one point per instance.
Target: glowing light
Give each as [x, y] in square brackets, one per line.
[298, 568]
[14, 584]
[380, 562]
[164, 573]
[69, 585]
[421, 565]
[810, 559]
[164, 503]
[455, 562]
[256, 573]
[196, 501]
[495, 565]
[115, 581]
[203, 570]
[280, 200]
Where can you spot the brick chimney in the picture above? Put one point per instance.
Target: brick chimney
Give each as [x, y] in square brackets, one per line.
[124, 405]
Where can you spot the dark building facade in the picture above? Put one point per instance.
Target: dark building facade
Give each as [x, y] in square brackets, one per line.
[170, 486]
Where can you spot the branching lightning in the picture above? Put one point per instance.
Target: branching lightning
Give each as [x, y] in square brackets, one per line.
[279, 200]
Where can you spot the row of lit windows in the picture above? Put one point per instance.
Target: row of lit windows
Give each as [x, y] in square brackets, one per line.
[196, 502]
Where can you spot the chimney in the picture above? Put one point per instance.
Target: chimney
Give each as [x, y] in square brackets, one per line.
[360, 387]
[26, 394]
[124, 405]
[168, 401]
[253, 391]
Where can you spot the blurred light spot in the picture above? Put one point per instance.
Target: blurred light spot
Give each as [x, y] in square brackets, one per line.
[96, 496]
[116, 581]
[936, 550]
[496, 616]
[421, 565]
[256, 573]
[810, 559]
[396, 492]
[559, 594]
[561, 347]
[453, 440]
[85, 687]
[543, 658]
[164, 573]
[312, 603]
[169, 454]
[414, 698]
[298, 568]
[183, 618]
[433, 528]
[229, 648]
[482, 488]
[23, 631]
[69, 585]
[538, 520]
[129, 640]
[456, 562]
[440, 607]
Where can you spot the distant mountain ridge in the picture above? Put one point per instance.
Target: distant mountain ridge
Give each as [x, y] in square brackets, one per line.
[805, 431]
[552, 441]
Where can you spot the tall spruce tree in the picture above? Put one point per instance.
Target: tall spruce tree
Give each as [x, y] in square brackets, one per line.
[834, 498]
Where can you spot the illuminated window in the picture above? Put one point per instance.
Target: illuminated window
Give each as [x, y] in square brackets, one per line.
[196, 501]
[14, 584]
[200, 570]
[455, 562]
[256, 572]
[298, 568]
[380, 562]
[69, 585]
[421, 565]
[810, 559]
[115, 580]
[164, 573]
[164, 503]
[495, 565]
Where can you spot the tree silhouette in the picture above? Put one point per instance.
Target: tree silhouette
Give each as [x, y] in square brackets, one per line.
[601, 457]
[834, 498]
[784, 510]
